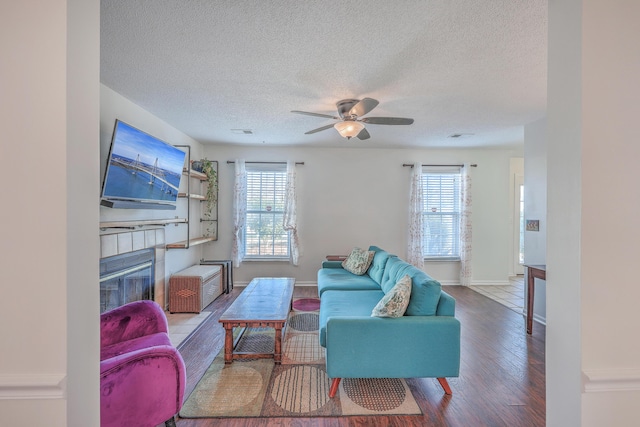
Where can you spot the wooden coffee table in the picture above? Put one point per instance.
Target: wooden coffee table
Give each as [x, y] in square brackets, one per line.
[265, 302]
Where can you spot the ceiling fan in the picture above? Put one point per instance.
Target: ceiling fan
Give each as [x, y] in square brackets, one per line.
[351, 123]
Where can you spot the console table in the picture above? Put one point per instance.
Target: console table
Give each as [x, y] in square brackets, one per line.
[533, 272]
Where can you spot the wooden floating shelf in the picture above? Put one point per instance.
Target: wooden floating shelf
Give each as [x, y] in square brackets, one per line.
[195, 174]
[192, 196]
[191, 242]
[141, 223]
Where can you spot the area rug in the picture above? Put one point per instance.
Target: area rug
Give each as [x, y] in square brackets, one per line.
[299, 387]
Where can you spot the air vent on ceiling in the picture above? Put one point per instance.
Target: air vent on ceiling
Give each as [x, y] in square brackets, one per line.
[242, 131]
[460, 135]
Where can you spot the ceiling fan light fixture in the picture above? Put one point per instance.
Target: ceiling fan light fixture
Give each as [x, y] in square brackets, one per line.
[349, 128]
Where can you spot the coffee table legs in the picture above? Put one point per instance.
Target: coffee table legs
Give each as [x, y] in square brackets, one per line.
[277, 351]
[228, 343]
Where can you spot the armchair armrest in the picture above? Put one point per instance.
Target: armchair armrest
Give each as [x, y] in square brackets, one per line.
[140, 383]
[131, 321]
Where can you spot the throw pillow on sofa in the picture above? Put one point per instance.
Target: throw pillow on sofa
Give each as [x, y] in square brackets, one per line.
[358, 261]
[396, 301]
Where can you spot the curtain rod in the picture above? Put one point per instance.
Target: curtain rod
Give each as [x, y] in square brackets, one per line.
[269, 163]
[474, 165]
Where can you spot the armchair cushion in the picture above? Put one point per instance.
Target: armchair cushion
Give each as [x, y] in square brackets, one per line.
[140, 343]
[133, 320]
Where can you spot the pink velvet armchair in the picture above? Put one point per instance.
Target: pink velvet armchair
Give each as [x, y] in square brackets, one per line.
[142, 376]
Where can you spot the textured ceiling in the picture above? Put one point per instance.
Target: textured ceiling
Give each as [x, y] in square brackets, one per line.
[208, 67]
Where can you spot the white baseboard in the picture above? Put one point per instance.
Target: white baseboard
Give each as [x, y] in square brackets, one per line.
[475, 283]
[307, 283]
[540, 319]
[32, 386]
[490, 283]
[607, 380]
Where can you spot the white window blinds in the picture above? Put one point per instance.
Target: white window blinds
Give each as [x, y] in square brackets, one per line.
[441, 213]
[264, 234]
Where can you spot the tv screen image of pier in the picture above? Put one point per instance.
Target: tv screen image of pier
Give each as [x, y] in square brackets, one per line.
[142, 167]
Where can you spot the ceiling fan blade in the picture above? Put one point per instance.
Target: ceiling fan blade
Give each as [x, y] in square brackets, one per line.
[363, 134]
[319, 129]
[306, 113]
[363, 107]
[387, 120]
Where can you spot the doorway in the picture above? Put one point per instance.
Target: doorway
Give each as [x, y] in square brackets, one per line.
[518, 225]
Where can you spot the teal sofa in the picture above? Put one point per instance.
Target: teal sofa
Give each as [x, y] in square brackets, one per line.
[425, 342]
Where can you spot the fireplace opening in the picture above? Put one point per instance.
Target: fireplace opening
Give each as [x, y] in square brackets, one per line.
[126, 278]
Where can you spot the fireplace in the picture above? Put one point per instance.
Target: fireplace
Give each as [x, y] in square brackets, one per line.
[126, 278]
[124, 243]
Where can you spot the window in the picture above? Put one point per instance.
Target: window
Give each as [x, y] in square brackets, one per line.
[264, 236]
[441, 214]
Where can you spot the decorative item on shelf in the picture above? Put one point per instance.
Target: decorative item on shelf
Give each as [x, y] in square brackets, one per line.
[211, 197]
[197, 165]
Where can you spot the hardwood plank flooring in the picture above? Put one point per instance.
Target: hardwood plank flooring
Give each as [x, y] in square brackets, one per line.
[501, 383]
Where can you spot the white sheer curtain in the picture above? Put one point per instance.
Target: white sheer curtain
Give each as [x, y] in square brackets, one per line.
[290, 220]
[239, 211]
[414, 250]
[465, 227]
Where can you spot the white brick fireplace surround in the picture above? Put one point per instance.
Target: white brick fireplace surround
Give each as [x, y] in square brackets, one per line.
[129, 241]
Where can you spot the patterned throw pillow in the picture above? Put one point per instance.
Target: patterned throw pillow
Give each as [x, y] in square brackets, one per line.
[396, 301]
[358, 261]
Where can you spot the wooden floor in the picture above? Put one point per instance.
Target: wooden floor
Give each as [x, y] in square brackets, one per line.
[501, 383]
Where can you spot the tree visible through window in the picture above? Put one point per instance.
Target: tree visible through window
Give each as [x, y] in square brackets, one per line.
[441, 214]
[264, 235]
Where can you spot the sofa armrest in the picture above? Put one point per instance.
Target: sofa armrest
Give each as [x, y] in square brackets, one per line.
[446, 305]
[405, 347]
[131, 321]
[331, 264]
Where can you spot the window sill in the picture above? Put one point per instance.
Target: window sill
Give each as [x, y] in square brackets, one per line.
[265, 259]
[453, 259]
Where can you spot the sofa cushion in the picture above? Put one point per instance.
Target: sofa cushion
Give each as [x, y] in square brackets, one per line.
[358, 261]
[394, 303]
[393, 272]
[425, 294]
[346, 303]
[340, 279]
[425, 291]
[378, 264]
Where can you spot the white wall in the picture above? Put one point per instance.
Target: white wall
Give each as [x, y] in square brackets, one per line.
[49, 158]
[610, 208]
[535, 207]
[114, 106]
[358, 197]
[593, 354]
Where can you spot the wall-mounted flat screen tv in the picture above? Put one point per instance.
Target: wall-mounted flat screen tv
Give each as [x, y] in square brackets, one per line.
[142, 171]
